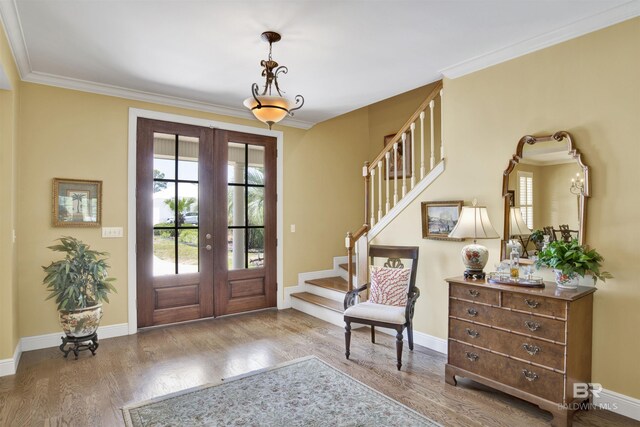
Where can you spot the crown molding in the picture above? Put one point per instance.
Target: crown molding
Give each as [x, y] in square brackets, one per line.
[578, 28]
[13, 30]
[120, 92]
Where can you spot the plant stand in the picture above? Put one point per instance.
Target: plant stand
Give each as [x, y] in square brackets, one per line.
[78, 344]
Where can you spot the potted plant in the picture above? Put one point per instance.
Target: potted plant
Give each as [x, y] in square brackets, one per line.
[570, 260]
[537, 237]
[79, 283]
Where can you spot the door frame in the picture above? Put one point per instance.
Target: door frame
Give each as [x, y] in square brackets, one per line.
[134, 114]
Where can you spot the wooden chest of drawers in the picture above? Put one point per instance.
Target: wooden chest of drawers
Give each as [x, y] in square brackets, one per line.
[532, 343]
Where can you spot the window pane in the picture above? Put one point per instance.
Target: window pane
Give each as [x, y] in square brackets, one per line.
[164, 155]
[236, 163]
[164, 205]
[256, 247]
[236, 248]
[235, 205]
[188, 148]
[187, 205]
[187, 251]
[164, 255]
[255, 205]
[256, 165]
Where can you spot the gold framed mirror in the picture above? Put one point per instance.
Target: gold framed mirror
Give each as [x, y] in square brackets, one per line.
[545, 187]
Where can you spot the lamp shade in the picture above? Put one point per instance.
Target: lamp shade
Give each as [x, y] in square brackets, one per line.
[516, 223]
[474, 224]
[271, 110]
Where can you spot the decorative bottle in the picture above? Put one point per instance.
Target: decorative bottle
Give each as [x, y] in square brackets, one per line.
[514, 263]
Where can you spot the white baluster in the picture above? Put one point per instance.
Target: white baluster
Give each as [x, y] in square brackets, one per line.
[387, 155]
[395, 173]
[433, 138]
[413, 155]
[404, 163]
[441, 125]
[379, 190]
[372, 196]
[421, 144]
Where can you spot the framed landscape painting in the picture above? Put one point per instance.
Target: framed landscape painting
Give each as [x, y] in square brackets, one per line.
[77, 203]
[396, 169]
[439, 218]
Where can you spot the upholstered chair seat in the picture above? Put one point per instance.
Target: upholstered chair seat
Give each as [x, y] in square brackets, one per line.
[379, 312]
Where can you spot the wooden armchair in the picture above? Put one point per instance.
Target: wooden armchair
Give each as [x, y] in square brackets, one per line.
[397, 317]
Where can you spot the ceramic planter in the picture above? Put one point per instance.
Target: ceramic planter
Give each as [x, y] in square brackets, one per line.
[566, 281]
[82, 322]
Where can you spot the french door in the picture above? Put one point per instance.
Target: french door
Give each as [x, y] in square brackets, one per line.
[206, 222]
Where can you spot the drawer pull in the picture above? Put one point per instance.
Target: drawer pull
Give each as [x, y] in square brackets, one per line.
[531, 303]
[531, 349]
[532, 326]
[529, 375]
[472, 312]
[472, 356]
[473, 293]
[472, 333]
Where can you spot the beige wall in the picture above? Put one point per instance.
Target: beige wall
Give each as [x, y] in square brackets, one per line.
[9, 105]
[66, 133]
[588, 86]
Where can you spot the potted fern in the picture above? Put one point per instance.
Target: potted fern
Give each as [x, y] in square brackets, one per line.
[570, 260]
[79, 283]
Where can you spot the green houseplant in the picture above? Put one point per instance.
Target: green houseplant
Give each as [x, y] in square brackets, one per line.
[537, 237]
[570, 260]
[79, 283]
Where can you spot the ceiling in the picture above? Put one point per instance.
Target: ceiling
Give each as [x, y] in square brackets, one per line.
[341, 55]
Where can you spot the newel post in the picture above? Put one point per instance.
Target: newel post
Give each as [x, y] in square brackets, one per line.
[348, 242]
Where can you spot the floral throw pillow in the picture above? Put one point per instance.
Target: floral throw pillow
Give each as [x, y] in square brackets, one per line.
[389, 286]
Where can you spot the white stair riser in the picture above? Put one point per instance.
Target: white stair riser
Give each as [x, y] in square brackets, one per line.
[323, 292]
[319, 312]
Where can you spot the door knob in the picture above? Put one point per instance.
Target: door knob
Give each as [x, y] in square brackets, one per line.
[208, 236]
[208, 247]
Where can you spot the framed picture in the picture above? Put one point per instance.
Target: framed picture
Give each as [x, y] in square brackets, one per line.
[77, 203]
[439, 218]
[398, 167]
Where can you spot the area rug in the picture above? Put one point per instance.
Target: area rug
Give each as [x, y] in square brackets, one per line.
[303, 392]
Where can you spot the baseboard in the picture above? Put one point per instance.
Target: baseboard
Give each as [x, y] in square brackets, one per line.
[618, 403]
[53, 340]
[10, 366]
[287, 295]
[422, 339]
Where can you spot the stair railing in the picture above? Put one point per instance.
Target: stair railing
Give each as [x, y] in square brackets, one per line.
[396, 148]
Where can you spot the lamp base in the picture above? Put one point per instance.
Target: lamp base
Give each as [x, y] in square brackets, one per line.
[474, 274]
[474, 257]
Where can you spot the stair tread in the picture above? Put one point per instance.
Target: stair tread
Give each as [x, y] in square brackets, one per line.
[344, 266]
[321, 301]
[335, 283]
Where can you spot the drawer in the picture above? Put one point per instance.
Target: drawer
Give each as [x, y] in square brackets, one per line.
[523, 376]
[535, 326]
[531, 349]
[474, 293]
[535, 304]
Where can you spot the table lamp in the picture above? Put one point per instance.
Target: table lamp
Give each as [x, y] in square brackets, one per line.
[474, 224]
[517, 228]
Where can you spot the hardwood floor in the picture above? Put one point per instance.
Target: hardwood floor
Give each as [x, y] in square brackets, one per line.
[52, 391]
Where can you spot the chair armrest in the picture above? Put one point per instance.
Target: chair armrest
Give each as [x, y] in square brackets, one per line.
[350, 297]
[411, 303]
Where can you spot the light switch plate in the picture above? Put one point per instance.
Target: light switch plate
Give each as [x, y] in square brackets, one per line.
[112, 232]
[293, 228]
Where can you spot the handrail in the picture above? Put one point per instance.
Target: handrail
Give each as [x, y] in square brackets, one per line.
[398, 136]
[390, 154]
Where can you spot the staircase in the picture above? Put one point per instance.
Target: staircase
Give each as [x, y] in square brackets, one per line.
[321, 294]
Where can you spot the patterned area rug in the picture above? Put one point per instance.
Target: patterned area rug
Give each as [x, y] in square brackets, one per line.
[303, 392]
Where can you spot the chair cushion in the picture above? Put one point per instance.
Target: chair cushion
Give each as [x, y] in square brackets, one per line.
[380, 312]
[389, 285]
